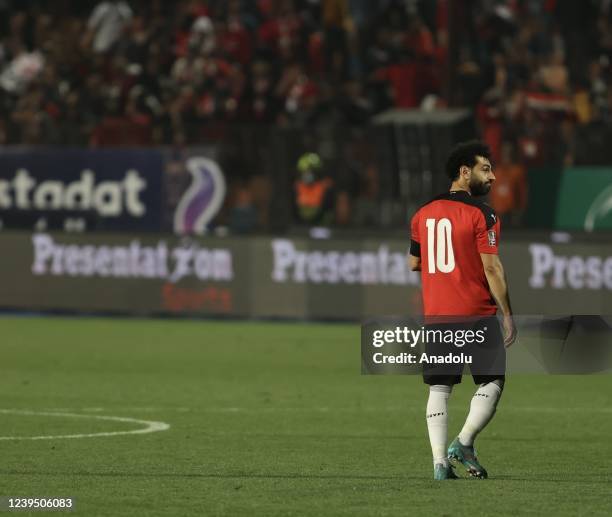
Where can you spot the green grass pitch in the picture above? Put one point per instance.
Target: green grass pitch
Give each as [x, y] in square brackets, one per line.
[276, 419]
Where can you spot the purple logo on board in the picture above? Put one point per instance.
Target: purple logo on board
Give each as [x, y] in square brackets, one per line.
[203, 198]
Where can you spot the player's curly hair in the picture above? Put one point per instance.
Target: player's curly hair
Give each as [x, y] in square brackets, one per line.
[465, 154]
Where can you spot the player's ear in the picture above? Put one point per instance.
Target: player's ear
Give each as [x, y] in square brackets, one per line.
[464, 170]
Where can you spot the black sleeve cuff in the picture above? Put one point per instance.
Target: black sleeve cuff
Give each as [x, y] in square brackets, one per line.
[415, 248]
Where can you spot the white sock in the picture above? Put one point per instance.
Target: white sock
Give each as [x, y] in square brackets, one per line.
[437, 422]
[482, 409]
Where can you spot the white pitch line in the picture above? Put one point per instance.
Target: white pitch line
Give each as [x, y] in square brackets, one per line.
[150, 426]
[116, 408]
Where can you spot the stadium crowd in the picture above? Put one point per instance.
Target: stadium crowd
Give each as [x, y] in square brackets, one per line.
[152, 72]
[144, 72]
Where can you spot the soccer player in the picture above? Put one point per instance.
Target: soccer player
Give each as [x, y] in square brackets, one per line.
[454, 243]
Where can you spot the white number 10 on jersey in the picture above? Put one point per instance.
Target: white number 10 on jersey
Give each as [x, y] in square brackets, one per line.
[440, 246]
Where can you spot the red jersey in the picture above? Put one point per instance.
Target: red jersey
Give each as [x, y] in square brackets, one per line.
[449, 233]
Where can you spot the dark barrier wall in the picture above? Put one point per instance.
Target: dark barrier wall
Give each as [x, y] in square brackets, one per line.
[273, 277]
[381, 173]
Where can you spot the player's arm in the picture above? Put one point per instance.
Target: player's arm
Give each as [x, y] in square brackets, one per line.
[415, 255]
[487, 236]
[415, 244]
[498, 285]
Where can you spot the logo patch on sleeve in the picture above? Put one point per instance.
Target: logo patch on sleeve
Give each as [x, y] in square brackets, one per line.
[492, 238]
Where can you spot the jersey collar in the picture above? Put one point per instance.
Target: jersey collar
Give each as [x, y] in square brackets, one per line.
[460, 192]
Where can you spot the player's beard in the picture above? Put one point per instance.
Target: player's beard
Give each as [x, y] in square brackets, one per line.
[479, 188]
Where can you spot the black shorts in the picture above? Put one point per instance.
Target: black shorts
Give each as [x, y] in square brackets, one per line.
[477, 344]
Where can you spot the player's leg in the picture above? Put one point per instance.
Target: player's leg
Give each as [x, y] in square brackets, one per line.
[482, 408]
[437, 425]
[441, 378]
[488, 372]
[437, 422]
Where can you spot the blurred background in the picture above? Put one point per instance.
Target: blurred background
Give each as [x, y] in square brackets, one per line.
[301, 119]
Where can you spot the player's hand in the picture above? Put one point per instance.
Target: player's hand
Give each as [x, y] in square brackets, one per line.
[509, 330]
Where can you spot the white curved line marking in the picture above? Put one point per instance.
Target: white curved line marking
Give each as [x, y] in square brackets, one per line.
[150, 426]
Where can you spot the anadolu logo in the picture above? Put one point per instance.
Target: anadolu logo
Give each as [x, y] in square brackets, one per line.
[599, 210]
[203, 198]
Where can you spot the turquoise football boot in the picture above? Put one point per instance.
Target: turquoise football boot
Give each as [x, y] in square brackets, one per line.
[467, 456]
[441, 472]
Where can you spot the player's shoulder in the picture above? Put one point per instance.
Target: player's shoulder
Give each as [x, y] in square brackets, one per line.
[487, 210]
[461, 196]
[439, 197]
